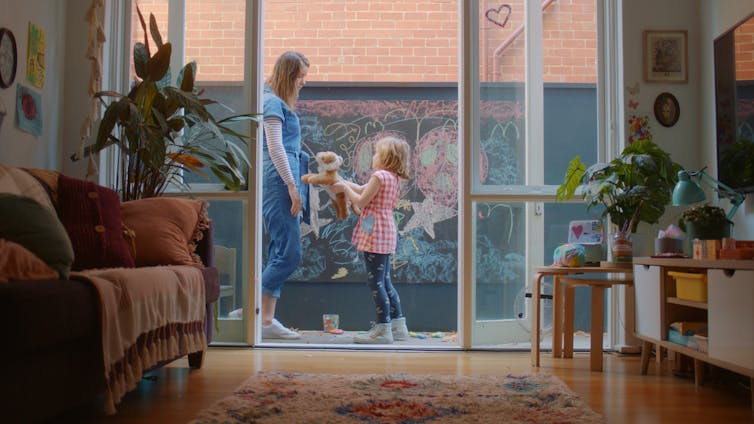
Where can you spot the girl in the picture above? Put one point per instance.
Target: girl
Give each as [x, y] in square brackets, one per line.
[376, 235]
[281, 200]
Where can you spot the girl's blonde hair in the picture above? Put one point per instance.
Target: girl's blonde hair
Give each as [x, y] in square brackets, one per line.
[395, 155]
[287, 69]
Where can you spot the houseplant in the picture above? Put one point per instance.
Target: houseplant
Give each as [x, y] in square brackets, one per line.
[705, 221]
[634, 187]
[163, 130]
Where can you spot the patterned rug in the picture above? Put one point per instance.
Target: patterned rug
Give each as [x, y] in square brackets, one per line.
[269, 397]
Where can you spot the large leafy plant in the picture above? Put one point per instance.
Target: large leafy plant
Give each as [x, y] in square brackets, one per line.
[634, 187]
[163, 131]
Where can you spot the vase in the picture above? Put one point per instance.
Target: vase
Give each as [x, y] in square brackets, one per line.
[621, 247]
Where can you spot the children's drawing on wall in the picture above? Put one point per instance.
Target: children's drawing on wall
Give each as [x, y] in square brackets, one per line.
[427, 212]
[28, 110]
[35, 64]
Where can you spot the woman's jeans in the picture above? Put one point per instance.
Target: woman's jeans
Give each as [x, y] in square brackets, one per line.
[386, 300]
[284, 250]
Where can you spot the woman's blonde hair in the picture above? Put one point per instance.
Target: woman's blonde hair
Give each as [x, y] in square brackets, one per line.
[287, 69]
[395, 155]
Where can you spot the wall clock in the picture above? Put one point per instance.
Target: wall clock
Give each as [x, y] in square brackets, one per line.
[8, 58]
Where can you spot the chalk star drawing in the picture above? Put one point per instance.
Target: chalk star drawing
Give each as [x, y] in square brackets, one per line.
[426, 214]
[314, 208]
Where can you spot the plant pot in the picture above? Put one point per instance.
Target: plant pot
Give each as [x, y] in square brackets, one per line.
[704, 232]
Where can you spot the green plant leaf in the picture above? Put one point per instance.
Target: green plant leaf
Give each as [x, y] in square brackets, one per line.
[186, 77]
[573, 177]
[158, 65]
[143, 28]
[155, 31]
[141, 57]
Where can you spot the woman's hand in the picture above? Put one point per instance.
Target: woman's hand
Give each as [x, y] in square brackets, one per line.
[295, 199]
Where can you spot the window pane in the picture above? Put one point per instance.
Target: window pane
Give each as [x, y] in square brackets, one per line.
[569, 39]
[500, 267]
[502, 78]
[230, 224]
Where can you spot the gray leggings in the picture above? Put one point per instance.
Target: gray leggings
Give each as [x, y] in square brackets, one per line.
[387, 303]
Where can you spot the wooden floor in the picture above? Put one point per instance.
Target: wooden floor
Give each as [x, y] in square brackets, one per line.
[174, 394]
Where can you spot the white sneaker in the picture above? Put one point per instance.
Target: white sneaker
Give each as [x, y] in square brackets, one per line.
[399, 329]
[378, 334]
[276, 330]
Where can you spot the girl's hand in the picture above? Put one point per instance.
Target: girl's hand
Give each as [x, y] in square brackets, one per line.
[295, 199]
[338, 187]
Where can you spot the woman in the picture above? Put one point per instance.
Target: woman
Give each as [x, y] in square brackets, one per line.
[284, 162]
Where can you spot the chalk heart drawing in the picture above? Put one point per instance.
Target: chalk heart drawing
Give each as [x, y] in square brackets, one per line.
[500, 15]
[577, 230]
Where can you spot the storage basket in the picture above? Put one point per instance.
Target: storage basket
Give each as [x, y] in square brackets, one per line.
[690, 286]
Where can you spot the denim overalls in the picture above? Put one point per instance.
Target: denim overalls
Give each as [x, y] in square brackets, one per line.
[284, 250]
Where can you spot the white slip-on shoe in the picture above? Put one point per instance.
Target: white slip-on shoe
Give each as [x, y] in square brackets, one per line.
[399, 329]
[378, 334]
[276, 330]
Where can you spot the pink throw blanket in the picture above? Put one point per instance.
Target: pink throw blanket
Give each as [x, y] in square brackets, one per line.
[149, 315]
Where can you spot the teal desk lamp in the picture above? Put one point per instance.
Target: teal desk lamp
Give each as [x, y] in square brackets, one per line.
[687, 191]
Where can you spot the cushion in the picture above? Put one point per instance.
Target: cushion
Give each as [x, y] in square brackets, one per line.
[38, 229]
[18, 263]
[49, 180]
[90, 214]
[17, 181]
[167, 229]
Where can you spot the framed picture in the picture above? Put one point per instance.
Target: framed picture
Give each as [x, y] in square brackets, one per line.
[665, 56]
[666, 109]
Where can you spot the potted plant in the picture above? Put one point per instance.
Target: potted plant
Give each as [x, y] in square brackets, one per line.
[634, 187]
[164, 130]
[705, 221]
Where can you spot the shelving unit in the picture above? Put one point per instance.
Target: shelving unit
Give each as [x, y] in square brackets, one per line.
[729, 312]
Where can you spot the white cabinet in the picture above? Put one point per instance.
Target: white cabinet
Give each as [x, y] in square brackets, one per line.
[728, 311]
[648, 301]
[731, 316]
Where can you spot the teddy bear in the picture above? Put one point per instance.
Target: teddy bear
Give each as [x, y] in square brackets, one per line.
[328, 164]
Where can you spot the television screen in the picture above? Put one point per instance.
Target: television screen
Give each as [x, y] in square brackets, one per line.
[734, 101]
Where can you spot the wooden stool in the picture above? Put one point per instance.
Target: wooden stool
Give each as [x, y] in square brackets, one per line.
[598, 286]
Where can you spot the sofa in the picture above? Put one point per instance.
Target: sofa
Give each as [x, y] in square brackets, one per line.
[85, 334]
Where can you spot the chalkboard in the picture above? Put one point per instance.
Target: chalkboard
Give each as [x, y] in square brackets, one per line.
[349, 121]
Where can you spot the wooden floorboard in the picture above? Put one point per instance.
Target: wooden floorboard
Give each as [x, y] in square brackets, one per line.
[174, 394]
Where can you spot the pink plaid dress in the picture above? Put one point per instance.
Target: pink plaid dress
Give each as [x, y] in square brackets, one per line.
[376, 231]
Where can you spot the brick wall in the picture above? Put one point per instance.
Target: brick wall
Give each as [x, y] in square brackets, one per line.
[385, 40]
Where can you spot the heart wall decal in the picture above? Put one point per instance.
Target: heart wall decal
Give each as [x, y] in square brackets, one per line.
[500, 15]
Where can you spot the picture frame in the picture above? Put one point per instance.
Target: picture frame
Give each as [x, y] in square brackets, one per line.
[666, 56]
[666, 109]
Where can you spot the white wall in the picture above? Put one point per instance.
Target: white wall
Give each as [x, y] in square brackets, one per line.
[76, 84]
[18, 147]
[682, 140]
[691, 141]
[720, 15]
